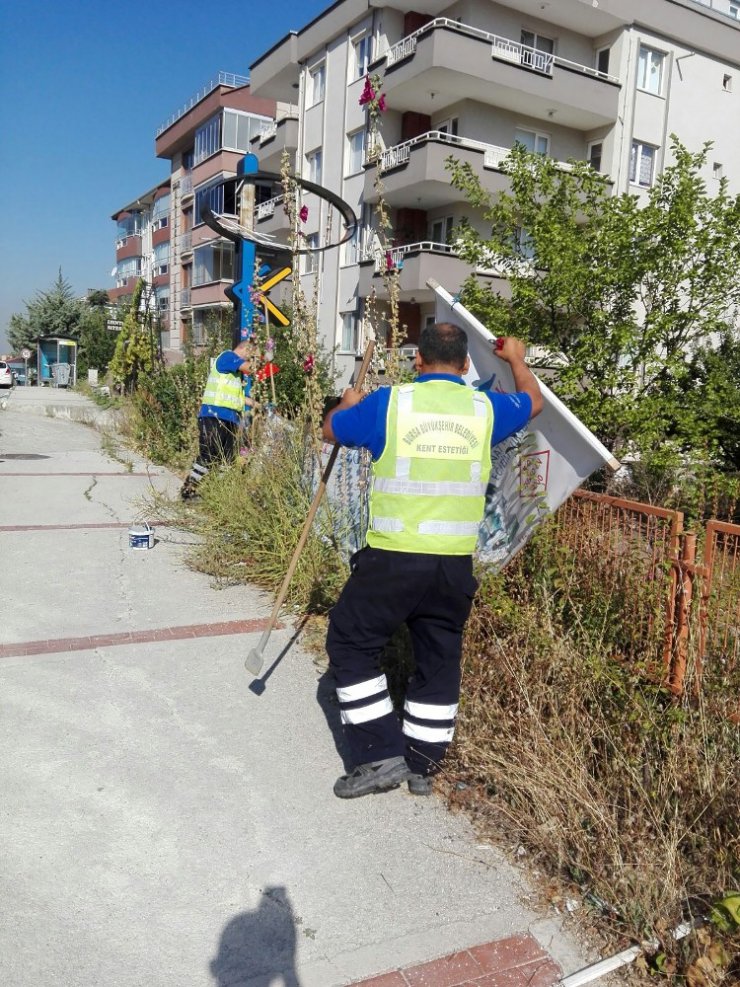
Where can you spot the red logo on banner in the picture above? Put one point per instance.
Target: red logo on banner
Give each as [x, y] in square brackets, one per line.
[534, 471]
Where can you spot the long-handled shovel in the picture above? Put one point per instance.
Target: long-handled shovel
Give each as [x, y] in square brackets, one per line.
[255, 658]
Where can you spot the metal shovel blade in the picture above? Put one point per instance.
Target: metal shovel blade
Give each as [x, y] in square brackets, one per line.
[255, 657]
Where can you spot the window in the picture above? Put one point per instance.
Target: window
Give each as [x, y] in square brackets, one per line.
[355, 152]
[524, 244]
[538, 51]
[221, 200]
[187, 159]
[361, 57]
[239, 128]
[351, 249]
[161, 212]
[429, 320]
[315, 162]
[533, 141]
[350, 333]
[162, 296]
[207, 139]
[128, 225]
[602, 61]
[642, 164]
[129, 268]
[650, 70]
[595, 151]
[450, 126]
[735, 11]
[161, 258]
[441, 229]
[312, 259]
[316, 84]
[213, 262]
[717, 170]
[208, 323]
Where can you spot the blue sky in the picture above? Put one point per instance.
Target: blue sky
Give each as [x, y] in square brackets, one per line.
[83, 88]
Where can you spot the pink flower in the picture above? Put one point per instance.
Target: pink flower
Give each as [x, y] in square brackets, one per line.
[303, 214]
[381, 103]
[308, 364]
[368, 93]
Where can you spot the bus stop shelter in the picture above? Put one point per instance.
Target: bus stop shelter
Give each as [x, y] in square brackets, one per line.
[56, 361]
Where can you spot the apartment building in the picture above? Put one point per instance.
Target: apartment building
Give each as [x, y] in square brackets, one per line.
[143, 250]
[605, 81]
[204, 141]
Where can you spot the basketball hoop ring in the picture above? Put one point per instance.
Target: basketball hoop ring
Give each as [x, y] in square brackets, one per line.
[232, 229]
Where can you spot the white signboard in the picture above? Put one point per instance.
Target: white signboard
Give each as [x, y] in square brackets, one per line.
[533, 471]
[26, 354]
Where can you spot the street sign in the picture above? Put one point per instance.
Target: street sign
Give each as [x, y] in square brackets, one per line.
[270, 282]
[26, 354]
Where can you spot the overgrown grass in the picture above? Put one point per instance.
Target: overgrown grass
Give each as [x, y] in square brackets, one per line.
[600, 774]
[252, 517]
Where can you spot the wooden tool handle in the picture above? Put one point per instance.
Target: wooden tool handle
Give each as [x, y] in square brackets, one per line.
[317, 497]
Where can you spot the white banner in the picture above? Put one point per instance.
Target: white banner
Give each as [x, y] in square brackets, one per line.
[536, 469]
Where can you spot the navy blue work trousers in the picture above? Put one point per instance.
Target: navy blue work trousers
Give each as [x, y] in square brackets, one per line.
[432, 595]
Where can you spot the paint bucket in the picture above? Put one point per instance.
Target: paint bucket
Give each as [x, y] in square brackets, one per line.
[141, 536]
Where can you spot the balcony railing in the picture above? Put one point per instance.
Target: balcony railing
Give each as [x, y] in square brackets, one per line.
[186, 185]
[222, 79]
[501, 48]
[268, 131]
[186, 242]
[267, 208]
[493, 155]
[185, 298]
[393, 259]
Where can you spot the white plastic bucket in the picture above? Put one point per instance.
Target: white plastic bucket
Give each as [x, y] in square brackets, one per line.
[141, 536]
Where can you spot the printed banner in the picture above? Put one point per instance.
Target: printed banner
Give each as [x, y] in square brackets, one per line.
[536, 469]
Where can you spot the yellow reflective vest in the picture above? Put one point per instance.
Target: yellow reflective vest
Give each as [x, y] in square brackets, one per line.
[429, 484]
[224, 390]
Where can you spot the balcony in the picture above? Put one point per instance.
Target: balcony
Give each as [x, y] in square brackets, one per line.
[444, 62]
[415, 170]
[222, 79]
[416, 263]
[186, 187]
[184, 298]
[270, 217]
[185, 243]
[276, 137]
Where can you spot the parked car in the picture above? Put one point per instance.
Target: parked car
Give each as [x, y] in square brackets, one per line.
[6, 374]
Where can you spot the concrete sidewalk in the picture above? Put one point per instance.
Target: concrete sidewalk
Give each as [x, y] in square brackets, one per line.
[163, 822]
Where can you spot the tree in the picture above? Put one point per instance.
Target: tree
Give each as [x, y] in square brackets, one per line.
[55, 312]
[626, 293]
[96, 342]
[135, 352]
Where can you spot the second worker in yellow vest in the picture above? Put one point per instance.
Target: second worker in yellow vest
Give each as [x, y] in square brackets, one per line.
[431, 446]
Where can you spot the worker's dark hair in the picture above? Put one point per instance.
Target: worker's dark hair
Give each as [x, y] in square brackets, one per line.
[443, 342]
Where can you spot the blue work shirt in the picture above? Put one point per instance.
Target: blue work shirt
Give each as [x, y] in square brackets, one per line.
[227, 363]
[364, 424]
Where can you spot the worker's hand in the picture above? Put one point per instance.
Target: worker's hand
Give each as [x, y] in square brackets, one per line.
[510, 349]
[350, 397]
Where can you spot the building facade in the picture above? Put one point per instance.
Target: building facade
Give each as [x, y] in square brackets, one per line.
[204, 142]
[606, 82]
[143, 251]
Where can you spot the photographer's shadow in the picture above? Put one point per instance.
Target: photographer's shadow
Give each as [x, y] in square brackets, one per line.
[257, 949]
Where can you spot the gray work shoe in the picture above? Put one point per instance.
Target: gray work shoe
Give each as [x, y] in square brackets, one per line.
[420, 784]
[376, 776]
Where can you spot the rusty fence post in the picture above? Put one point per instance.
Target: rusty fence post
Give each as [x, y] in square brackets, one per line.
[684, 597]
[674, 560]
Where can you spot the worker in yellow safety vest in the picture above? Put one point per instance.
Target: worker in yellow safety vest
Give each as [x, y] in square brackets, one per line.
[220, 413]
[431, 448]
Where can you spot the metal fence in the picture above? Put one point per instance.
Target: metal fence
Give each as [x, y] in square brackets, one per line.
[663, 606]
